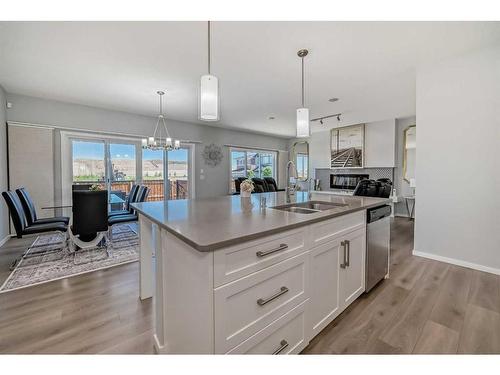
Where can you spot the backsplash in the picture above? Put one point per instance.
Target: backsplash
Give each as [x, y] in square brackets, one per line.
[323, 174]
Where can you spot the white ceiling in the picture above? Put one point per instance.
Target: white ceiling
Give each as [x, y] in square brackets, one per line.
[370, 66]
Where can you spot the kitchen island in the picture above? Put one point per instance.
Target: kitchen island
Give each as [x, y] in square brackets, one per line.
[231, 276]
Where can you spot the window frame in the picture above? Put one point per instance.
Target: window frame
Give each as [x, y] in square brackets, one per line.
[245, 150]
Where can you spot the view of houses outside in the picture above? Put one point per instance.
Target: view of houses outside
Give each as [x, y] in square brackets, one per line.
[249, 163]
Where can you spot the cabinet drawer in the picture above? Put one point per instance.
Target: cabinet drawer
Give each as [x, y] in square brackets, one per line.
[235, 262]
[325, 231]
[286, 335]
[245, 306]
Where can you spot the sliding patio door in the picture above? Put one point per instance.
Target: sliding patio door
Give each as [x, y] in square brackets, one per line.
[122, 172]
[111, 165]
[116, 164]
[173, 164]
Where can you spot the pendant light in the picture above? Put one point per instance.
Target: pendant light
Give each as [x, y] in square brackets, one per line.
[303, 128]
[209, 92]
[161, 139]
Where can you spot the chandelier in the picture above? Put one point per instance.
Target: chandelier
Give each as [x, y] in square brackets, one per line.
[161, 139]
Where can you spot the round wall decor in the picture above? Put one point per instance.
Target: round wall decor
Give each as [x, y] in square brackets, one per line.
[213, 155]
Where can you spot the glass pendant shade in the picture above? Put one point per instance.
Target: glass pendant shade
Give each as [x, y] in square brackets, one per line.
[209, 98]
[303, 128]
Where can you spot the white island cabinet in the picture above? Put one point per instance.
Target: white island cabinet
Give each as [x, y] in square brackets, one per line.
[259, 294]
[271, 295]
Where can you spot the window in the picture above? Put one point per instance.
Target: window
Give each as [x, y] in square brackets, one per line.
[111, 165]
[117, 163]
[153, 171]
[252, 163]
[302, 161]
[89, 164]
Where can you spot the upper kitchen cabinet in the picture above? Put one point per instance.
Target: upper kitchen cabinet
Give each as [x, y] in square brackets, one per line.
[319, 150]
[380, 144]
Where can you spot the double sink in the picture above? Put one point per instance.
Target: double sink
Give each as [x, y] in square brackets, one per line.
[309, 207]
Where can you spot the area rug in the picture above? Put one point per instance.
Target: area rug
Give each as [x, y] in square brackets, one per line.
[123, 248]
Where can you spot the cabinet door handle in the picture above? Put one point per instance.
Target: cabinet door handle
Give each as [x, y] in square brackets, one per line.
[344, 247]
[261, 254]
[262, 301]
[283, 346]
[348, 246]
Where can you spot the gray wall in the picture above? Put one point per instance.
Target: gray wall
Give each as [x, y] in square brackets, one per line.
[402, 187]
[4, 213]
[458, 167]
[216, 182]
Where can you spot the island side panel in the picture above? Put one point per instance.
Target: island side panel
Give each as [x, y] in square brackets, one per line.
[185, 298]
[147, 248]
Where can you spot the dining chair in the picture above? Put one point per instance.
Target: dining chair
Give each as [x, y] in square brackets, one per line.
[30, 210]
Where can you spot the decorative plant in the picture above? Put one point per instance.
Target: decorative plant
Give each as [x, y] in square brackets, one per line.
[95, 187]
[247, 186]
[267, 172]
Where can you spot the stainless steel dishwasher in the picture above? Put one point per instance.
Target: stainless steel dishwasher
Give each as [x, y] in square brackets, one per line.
[378, 236]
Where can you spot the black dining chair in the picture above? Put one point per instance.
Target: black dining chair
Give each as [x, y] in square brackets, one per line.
[84, 187]
[20, 221]
[90, 218]
[141, 196]
[22, 228]
[130, 199]
[30, 210]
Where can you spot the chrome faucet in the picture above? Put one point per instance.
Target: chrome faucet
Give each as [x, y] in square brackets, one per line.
[289, 189]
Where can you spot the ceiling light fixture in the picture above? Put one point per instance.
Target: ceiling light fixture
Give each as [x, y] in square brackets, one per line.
[303, 128]
[157, 141]
[209, 92]
[320, 119]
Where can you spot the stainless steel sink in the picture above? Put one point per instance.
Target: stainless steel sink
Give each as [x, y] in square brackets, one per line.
[310, 207]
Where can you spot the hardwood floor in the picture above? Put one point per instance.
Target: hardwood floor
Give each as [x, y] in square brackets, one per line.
[425, 307]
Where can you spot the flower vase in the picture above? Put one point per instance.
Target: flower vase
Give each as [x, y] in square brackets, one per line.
[245, 194]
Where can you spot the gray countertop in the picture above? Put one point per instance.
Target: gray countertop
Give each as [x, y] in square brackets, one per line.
[212, 223]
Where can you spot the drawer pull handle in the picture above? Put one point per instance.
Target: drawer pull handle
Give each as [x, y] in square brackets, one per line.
[262, 302]
[348, 243]
[345, 263]
[261, 254]
[283, 346]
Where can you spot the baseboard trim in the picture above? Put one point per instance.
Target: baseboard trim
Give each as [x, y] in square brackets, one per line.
[159, 349]
[4, 240]
[457, 262]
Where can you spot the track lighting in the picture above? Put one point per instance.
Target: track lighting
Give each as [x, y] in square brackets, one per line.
[320, 119]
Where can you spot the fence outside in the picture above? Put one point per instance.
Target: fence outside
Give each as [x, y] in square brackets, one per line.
[178, 188]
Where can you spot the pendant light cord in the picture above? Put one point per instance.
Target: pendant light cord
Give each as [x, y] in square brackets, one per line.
[208, 47]
[302, 58]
